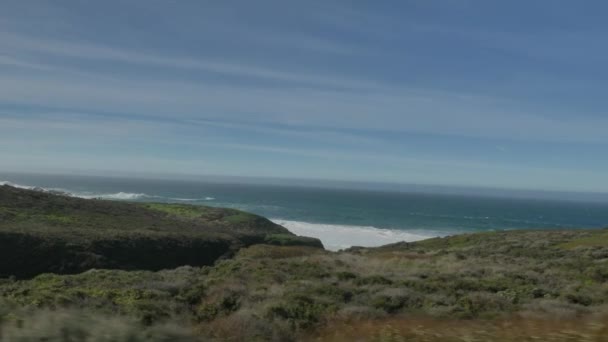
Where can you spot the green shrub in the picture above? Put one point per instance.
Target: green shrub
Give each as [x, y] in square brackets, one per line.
[579, 298]
[474, 305]
[215, 307]
[392, 300]
[389, 304]
[334, 292]
[292, 240]
[345, 276]
[373, 280]
[301, 311]
[597, 273]
[192, 295]
[78, 326]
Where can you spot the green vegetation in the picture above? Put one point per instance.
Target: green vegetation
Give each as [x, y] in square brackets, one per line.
[594, 240]
[291, 240]
[42, 232]
[510, 284]
[231, 218]
[501, 286]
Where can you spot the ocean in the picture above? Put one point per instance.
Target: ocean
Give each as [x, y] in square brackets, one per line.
[342, 217]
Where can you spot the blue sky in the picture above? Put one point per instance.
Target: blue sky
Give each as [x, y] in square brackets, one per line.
[478, 93]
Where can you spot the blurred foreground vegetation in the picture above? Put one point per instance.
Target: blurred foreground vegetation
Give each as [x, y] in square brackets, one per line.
[499, 286]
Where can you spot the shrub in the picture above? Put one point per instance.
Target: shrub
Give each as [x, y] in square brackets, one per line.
[389, 304]
[578, 298]
[345, 276]
[359, 312]
[300, 311]
[334, 292]
[223, 305]
[479, 304]
[553, 308]
[192, 295]
[277, 252]
[373, 280]
[597, 273]
[67, 326]
[292, 240]
[392, 300]
[246, 325]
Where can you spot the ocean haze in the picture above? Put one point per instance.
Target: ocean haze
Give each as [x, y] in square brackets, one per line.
[327, 184]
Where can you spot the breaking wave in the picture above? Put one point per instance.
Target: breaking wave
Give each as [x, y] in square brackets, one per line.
[119, 196]
[192, 199]
[122, 196]
[336, 237]
[19, 186]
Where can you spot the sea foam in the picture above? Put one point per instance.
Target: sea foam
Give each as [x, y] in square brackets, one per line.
[19, 186]
[335, 237]
[192, 199]
[120, 196]
[124, 196]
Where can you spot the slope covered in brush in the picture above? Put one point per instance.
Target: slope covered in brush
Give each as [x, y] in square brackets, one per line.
[43, 232]
[495, 286]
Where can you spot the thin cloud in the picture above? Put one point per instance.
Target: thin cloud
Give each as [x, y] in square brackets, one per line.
[395, 111]
[16, 43]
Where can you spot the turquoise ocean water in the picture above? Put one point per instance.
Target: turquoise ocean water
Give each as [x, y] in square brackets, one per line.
[343, 217]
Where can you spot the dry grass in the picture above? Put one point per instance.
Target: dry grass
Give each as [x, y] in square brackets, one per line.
[515, 329]
[83, 326]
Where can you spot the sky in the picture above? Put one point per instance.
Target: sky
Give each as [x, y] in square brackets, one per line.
[508, 94]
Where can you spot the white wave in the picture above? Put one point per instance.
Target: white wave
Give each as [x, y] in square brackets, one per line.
[123, 196]
[335, 237]
[192, 199]
[2, 183]
[36, 188]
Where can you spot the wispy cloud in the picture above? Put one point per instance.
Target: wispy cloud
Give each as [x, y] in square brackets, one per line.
[18, 62]
[409, 93]
[398, 110]
[20, 45]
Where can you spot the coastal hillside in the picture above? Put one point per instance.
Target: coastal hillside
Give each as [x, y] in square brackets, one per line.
[48, 232]
[493, 286]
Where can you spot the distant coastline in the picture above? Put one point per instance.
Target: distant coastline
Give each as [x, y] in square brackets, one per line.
[340, 217]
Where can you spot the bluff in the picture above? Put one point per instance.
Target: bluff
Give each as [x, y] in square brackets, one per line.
[46, 232]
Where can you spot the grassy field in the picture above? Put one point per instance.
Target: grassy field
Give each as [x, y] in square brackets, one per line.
[508, 286]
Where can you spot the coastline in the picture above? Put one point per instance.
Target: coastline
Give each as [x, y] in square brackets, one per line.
[280, 286]
[336, 237]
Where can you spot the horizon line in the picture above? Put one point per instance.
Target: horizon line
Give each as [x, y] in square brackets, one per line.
[323, 183]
